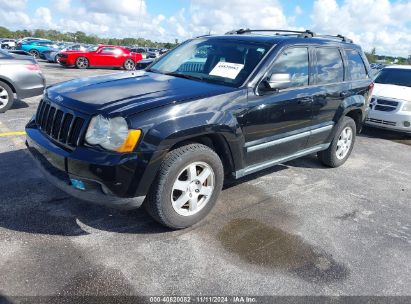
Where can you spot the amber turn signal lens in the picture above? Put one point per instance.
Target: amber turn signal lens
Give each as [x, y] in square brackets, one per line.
[130, 142]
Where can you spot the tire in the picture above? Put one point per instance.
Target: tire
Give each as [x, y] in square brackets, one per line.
[56, 59]
[129, 65]
[82, 63]
[164, 198]
[342, 144]
[6, 97]
[34, 53]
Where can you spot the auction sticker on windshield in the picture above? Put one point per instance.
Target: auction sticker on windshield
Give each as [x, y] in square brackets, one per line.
[227, 69]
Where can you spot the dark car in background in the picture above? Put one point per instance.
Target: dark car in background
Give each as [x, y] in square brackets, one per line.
[212, 109]
[144, 63]
[19, 75]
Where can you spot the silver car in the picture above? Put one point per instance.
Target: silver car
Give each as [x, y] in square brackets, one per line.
[20, 77]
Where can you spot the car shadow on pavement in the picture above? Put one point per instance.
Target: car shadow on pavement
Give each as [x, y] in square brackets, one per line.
[29, 203]
[398, 137]
[19, 104]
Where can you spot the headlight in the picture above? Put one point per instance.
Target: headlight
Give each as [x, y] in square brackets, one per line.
[407, 106]
[112, 134]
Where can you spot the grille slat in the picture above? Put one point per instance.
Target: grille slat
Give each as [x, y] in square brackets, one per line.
[60, 124]
[44, 118]
[65, 128]
[57, 124]
[384, 105]
[50, 118]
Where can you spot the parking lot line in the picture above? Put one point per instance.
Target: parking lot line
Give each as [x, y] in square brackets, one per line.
[12, 133]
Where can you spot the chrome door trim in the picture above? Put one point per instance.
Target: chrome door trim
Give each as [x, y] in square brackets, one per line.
[270, 163]
[289, 138]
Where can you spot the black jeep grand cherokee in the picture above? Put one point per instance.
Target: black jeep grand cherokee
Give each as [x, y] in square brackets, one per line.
[214, 107]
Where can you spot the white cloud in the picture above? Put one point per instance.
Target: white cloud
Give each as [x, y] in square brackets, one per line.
[218, 16]
[382, 24]
[44, 15]
[62, 5]
[124, 7]
[371, 23]
[13, 5]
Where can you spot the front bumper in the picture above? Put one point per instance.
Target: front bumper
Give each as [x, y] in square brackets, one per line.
[396, 121]
[112, 183]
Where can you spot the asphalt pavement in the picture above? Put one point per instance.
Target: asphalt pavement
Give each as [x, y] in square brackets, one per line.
[296, 229]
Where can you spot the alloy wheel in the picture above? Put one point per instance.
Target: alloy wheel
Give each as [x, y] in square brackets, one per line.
[82, 63]
[4, 97]
[193, 188]
[344, 143]
[129, 65]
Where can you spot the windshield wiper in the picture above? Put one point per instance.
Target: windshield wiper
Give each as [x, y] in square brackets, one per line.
[191, 77]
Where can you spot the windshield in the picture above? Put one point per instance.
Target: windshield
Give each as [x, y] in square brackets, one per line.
[400, 77]
[220, 61]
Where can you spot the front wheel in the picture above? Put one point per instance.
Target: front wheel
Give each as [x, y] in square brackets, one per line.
[187, 186]
[341, 145]
[129, 65]
[82, 63]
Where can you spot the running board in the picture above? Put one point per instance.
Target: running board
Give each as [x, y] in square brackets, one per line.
[270, 163]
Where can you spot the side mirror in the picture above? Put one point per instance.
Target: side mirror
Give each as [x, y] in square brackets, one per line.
[279, 81]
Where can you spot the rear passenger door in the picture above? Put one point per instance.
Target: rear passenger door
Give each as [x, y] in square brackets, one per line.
[331, 88]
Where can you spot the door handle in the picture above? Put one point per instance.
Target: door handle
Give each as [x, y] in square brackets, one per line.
[305, 100]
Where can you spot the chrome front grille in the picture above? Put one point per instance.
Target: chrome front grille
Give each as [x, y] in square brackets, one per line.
[382, 122]
[64, 126]
[383, 105]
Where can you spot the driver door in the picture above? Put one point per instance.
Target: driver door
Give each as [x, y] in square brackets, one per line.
[277, 122]
[107, 56]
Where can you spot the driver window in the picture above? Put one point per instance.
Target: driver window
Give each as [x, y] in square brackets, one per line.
[293, 61]
[107, 50]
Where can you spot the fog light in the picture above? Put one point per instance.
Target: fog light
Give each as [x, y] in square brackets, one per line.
[407, 124]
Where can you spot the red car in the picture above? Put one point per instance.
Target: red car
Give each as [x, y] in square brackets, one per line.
[103, 56]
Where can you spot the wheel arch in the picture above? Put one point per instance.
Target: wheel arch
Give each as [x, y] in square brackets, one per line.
[354, 107]
[218, 143]
[9, 83]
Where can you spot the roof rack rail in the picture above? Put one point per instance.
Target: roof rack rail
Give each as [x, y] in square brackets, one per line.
[300, 34]
[339, 37]
[303, 34]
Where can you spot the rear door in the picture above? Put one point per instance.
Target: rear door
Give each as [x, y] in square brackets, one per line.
[331, 88]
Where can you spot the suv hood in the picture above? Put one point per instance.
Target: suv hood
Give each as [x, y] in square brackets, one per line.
[392, 91]
[129, 92]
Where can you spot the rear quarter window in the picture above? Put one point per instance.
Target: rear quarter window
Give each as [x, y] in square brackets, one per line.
[330, 67]
[356, 66]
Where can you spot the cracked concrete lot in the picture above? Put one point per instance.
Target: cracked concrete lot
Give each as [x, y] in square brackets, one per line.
[296, 229]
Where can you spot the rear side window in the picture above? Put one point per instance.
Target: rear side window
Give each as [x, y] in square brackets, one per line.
[356, 67]
[330, 67]
[293, 61]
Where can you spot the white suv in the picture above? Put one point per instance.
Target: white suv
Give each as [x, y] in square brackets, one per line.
[391, 100]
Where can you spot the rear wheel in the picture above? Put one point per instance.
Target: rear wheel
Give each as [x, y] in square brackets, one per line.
[82, 63]
[6, 97]
[56, 59]
[129, 65]
[341, 145]
[187, 186]
[35, 53]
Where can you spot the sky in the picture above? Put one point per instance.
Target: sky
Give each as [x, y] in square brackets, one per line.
[383, 24]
